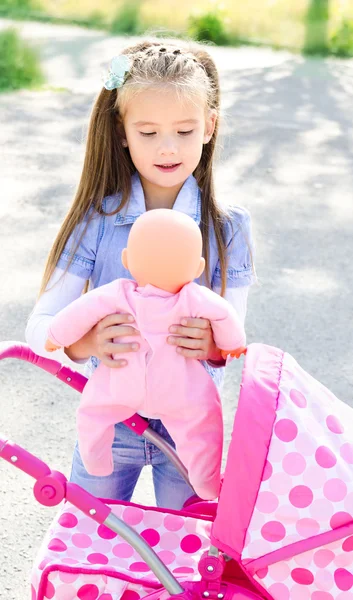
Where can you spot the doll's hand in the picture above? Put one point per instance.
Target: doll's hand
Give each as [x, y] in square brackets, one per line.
[99, 341]
[233, 353]
[50, 346]
[194, 339]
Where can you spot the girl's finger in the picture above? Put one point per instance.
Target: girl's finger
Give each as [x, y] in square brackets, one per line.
[115, 319]
[194, 344]
[192, 332]
[112, 348]
[188, 353]
[110, 333]
[200, 323]
[113, 364]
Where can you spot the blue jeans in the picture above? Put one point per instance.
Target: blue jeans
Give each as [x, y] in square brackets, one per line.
[131, 453]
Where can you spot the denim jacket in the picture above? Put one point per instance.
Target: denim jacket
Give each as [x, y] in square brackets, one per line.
[98, 256]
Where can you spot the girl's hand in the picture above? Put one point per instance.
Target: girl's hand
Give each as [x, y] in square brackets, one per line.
[99, 341]
[194, 339]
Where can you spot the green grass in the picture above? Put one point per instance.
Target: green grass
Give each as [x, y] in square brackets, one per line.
[19, 64]
[311, 26]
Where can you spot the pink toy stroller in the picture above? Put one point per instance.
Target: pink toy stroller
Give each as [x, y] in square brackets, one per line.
[282, 529]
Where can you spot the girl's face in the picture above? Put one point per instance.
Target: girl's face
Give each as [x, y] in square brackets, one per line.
[165, 137]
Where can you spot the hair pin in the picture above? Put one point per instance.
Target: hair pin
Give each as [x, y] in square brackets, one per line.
[120, 65]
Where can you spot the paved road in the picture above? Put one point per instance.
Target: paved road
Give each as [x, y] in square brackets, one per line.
[287, 155]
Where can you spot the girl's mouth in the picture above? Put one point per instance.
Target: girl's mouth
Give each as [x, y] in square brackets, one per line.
[168, 168]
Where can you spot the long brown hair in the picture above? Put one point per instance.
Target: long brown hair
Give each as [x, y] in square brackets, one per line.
[108, 168]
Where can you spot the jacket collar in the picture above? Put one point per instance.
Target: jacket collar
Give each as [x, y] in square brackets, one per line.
[188, 201]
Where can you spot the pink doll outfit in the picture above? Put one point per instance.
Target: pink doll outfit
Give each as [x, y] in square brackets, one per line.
[158, 382]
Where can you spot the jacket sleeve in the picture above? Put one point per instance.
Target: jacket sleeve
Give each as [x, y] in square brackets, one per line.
[240, 252]
[63, 288]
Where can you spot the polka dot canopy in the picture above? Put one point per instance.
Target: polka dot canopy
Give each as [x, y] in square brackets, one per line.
[306, 490]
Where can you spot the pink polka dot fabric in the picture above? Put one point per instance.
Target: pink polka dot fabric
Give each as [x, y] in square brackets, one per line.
[81, 560]
[306, 490]
[324, 573]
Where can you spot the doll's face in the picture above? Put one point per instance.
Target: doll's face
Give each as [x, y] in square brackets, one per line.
[164, 249]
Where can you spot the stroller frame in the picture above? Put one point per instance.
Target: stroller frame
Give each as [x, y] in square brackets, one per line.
[52, 487]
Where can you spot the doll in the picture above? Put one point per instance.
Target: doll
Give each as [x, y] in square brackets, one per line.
[164, 256]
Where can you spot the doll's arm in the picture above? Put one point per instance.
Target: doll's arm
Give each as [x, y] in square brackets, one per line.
[76, 319]
[228, 329]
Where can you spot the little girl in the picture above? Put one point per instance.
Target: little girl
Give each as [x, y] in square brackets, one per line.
[151, 142]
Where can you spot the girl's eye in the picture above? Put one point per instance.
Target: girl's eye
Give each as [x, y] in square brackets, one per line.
[154, 133]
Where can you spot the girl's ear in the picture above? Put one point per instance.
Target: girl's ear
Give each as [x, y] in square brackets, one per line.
[201, 267]
[121, 132]
[210, 125]
[124, 259]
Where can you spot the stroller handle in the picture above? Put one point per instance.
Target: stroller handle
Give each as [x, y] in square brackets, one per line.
[78, 381]
[62, 372]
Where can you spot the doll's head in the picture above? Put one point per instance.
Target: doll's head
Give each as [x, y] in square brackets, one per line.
[164, 249]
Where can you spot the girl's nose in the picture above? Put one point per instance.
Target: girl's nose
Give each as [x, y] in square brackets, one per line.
[168, 147]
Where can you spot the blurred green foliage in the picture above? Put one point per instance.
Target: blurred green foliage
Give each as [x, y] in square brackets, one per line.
[342, 40]
[316, 22]
[127, 19]
[19, 8]
[208, 26]
[19, 63]
[311, 26]
[19, 4]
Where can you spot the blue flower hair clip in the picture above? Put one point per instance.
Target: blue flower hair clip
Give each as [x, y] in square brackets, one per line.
[119, 67]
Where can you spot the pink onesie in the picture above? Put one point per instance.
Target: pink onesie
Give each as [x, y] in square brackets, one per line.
[157, 381]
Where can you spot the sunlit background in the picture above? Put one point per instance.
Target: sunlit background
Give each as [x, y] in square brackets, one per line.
[313, 25]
